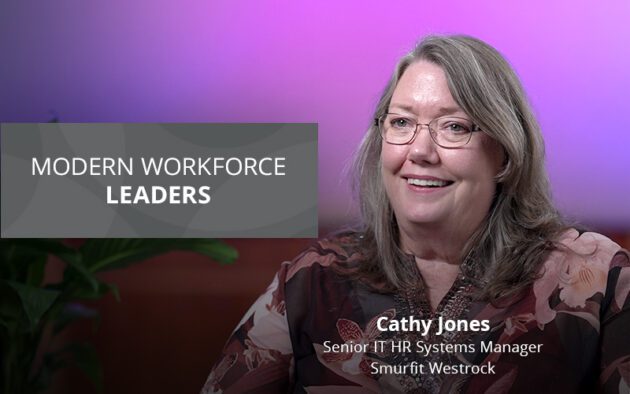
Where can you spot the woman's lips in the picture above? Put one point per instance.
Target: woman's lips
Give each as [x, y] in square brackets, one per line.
[428, 182]
[422, 181]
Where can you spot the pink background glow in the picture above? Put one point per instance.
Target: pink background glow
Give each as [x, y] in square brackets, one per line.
[324, 62]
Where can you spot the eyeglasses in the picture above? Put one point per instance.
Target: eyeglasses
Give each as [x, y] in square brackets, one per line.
[446, 131]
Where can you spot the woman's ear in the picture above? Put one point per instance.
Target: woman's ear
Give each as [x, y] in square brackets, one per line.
[500, 156]
[502, 161]
[505, 160]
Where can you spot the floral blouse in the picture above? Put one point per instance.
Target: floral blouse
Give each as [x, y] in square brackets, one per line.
[317, 331]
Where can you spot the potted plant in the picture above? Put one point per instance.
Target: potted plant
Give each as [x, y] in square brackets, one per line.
[33, 312]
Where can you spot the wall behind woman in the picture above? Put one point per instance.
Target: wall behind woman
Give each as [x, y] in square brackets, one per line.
[288, 61]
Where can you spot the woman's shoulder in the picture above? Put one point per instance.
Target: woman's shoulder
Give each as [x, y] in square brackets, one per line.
[586, 247]
[583, 268]
[584, 256]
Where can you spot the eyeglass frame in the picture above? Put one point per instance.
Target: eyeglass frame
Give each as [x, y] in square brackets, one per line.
[377, 123]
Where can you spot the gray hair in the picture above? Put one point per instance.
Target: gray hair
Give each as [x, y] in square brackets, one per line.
[519, 230]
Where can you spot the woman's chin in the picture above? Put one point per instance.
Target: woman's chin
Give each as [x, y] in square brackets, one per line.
[425, 219]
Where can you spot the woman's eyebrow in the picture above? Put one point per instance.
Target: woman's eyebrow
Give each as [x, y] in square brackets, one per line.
[404, 107]
[449, 110]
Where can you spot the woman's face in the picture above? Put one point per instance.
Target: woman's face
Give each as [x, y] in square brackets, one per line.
[465, 175]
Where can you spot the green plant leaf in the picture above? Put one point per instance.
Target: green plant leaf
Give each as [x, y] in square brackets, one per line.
[218, 251]
[77, 265]
[114, 289]
[67, 254]
[20, 253]
[36, 270]
[43, 377]
[79, 282]
[73, 289]
[86, 358]
[11, 311]
[35, 301]
[17, 258]
[106, 254]
[81, 354]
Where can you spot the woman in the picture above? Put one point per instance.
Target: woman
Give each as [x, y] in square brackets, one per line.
[464, 277]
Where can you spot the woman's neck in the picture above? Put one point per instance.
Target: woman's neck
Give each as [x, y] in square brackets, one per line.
[435, 243]
[438, 254]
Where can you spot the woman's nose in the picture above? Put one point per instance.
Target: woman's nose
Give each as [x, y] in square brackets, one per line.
[422, 148]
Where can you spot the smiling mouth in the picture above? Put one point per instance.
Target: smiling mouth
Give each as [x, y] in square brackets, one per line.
[428, 182]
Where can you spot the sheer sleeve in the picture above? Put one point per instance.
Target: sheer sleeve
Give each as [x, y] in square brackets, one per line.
[615, 328]
[258, 356]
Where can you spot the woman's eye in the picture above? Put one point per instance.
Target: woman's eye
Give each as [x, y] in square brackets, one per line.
[400, 123]
[456, 128]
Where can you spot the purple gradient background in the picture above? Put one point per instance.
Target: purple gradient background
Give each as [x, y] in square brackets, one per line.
[308, 61]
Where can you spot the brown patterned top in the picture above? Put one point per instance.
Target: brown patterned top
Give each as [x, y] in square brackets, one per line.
[316, 331]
